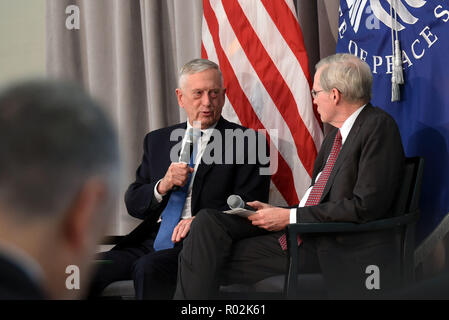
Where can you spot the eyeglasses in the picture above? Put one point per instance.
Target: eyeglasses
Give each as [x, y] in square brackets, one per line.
[314, 93]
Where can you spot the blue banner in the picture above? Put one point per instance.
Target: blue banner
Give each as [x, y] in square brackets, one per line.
[422, 113]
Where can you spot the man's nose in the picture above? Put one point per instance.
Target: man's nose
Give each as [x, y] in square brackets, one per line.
[205, 99]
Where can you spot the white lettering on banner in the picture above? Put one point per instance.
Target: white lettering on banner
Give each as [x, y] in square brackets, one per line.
[427, 36]
[441, 13]
[377, 61]
[411, 53]
[415, 55]
[342, 29]
[363, 54]
[389, 64]
[406, 59]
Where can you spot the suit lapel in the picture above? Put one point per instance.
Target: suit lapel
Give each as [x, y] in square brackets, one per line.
[323, 154]
[346, 149]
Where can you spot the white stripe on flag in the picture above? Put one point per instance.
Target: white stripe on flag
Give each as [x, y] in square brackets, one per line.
[286, 62]
[228, 110]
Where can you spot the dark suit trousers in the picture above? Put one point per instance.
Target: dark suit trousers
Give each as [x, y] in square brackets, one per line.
[153, 272]
[226, 249]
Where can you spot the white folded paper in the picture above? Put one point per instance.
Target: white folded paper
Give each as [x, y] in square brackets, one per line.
[244, 213]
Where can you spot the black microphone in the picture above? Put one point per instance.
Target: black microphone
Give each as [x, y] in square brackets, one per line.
[236, 202]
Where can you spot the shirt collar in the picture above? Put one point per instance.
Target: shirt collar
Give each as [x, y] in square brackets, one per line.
[347, 125]
[205, 133]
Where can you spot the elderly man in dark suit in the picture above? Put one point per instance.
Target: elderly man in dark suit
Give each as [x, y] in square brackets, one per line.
[355, 179]
[222, 164]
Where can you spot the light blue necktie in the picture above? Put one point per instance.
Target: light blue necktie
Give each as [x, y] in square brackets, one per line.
[172, 212]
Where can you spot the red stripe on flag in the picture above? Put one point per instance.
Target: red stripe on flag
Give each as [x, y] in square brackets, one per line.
[283, 178]
[273, 82]
[203, 51]
[288, 26]
[235, 94]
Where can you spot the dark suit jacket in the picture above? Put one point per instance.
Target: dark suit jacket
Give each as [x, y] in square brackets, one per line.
[213, 182]
[362, 187]
[15, 284]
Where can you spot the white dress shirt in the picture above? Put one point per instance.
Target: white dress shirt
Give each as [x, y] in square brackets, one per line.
[344, 131]
[202, 143]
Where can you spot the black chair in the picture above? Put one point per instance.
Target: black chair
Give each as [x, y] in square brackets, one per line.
[406, 214]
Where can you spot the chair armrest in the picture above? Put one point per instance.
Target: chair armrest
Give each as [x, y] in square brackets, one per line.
[110, 240]
[333, 227]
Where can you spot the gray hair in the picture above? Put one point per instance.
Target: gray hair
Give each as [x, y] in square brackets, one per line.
[196, 66]
[53, 137]
[348, 74]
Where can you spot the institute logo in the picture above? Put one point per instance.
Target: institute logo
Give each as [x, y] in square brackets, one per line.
[398, 8]
[368, 28]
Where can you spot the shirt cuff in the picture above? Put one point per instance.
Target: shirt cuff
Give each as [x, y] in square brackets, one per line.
[293, 215]
[157, 195]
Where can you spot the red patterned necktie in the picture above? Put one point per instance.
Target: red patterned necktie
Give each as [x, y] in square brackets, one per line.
[318, 188]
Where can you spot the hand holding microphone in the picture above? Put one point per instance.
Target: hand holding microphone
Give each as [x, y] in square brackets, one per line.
[175, 177]
[178, 173]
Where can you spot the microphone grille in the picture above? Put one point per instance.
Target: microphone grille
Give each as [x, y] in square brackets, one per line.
[235, 201]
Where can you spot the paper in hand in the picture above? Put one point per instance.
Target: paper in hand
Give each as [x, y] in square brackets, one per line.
[241, 212]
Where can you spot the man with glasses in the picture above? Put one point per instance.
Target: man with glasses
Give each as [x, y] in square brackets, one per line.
[355, 178]
[314, 93]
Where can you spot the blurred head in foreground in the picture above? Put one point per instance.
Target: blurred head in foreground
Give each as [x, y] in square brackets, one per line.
[59, 172]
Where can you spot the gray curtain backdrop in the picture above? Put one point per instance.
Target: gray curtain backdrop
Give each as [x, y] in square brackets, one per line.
[126, 53]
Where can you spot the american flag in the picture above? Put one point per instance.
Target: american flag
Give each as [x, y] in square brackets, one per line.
[259, 47]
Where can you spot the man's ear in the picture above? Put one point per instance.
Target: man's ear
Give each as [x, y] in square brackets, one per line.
[179, 95]
[81, 216]
[336, 96]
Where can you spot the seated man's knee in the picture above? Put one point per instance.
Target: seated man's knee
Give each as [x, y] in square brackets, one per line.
[142, 267]
[205, 218]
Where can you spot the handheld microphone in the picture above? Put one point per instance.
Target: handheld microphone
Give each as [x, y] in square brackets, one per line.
[185, 154]
[235, 202]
